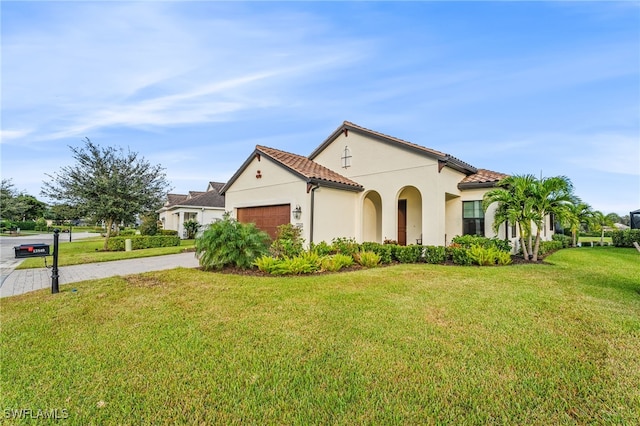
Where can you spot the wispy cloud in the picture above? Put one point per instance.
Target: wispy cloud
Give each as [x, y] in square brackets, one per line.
[163, 72]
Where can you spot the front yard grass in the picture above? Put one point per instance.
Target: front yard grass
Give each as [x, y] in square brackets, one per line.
[409, 344]
[90, 251]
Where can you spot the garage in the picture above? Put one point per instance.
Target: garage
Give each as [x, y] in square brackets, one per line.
[267, 218]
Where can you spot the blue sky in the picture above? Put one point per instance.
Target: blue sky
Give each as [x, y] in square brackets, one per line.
[535, 87]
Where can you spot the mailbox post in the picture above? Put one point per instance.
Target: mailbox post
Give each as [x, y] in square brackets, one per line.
[54, 269]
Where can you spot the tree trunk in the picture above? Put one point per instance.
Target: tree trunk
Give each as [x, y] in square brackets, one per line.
[522, 243]
[574, 236]
[537, 247]
[109, 223]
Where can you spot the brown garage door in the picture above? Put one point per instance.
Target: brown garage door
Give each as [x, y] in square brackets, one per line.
[267, 218]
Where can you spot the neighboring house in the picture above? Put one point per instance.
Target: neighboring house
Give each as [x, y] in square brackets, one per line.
[366, 185]
[204, 207]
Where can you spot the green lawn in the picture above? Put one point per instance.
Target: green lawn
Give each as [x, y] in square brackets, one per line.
[412, 344]
[90, 251]
[596, 240]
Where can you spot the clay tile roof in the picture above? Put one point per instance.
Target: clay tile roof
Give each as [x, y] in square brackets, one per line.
[307, 168]
[398, 140]
[484, 177]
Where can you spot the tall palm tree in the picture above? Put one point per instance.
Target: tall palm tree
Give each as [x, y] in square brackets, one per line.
[551, 196]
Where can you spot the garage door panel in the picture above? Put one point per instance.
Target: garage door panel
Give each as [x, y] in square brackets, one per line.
[267, 218]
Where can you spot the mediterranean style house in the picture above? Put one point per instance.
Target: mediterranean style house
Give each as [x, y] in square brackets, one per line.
[202, 206]
[365, 185]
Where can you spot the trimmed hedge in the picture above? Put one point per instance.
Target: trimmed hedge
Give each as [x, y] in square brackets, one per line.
[625, 238]
[142, 242]
[435, 254]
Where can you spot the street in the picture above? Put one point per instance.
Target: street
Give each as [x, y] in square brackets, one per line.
[8, 262]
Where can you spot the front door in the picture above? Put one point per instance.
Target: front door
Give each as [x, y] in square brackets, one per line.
[402, 222]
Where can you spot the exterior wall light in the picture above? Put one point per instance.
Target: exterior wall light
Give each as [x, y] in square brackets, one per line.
[297, 212]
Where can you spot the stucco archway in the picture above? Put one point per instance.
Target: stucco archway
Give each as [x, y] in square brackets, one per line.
[409, 222]
[372, 217]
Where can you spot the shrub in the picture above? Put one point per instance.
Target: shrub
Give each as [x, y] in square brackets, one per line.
[41, 225]
[306, 263]
[228, 242]
[566, 240]
[139, 242]
[29, 225]
[127, 232]
[625, 238]
[288, 242]
[322, 248]
[458, 254]
[167, 232]
[266, 264]
[549, 246]
[368, 259]
[503, 258]
[192, 227]
[385, 251]
[435, 254]
[347, 246]
[485, 256]
[469, 240]
[409, 254]
[336, 262]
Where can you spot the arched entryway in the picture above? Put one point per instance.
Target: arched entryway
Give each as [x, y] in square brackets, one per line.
[372, 217]
[409, 216]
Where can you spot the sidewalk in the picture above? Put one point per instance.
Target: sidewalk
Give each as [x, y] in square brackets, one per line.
[26, 280]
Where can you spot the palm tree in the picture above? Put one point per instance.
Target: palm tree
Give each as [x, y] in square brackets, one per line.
[579, 213]
[600, 222]
[514, 205]
[551, 196]
[526, 200]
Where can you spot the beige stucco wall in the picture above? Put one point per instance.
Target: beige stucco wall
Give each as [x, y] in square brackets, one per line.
[276, 186]
[335, 214]
[175, 218]
[388, 170]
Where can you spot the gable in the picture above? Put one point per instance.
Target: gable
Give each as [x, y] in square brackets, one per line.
[340, 138]
[296, 165]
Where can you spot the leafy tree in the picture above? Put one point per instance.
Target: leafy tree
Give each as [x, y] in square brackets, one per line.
[191, 226]
[61, 213]
[10, 206]
[149, 225]
[614, 217]
[111, 184]
[32, 208]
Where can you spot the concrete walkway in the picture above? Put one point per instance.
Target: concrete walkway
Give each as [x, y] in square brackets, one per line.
[25, 280]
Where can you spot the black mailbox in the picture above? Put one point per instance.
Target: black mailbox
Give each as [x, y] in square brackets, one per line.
[31, 250]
